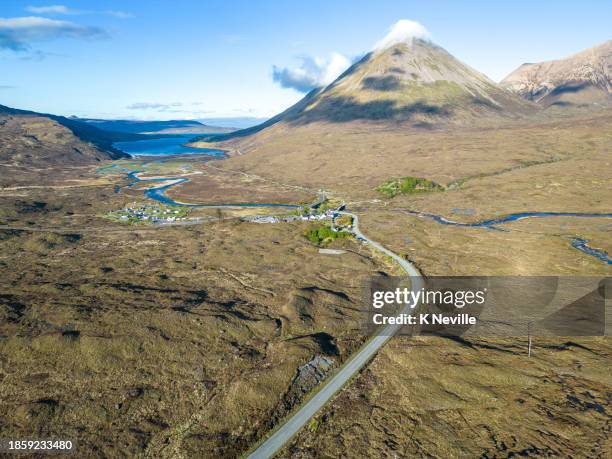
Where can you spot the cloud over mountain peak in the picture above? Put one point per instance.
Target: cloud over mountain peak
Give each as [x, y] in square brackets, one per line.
[403, 31]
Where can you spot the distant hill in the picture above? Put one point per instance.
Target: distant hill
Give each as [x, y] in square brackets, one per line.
[584, 79]
[418, 83]
[155, 127]
[31, 138]
[237, 122]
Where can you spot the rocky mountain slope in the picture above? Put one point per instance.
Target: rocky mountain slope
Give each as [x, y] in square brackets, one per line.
[582, 79]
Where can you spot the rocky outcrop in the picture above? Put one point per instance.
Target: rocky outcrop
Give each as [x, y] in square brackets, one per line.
[311, 373]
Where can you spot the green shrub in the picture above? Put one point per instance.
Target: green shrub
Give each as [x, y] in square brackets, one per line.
[407, 185]
[323, 235]
[344, 220]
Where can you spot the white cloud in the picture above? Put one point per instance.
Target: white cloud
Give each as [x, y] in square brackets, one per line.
[17, 34]
[153, 106]
[312, 73]
[64, 10]
[403, 31]
[51, 9]
[116, 13]
[161, 110]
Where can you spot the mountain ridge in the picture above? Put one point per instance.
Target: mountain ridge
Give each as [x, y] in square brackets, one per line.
[102, 139]
[29, 138]
[154, 127]
[584, 78]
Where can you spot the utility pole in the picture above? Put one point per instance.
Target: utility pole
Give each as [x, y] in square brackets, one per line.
[529, 338]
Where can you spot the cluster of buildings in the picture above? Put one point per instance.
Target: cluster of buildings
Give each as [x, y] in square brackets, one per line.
[151, 213]
[327, 215]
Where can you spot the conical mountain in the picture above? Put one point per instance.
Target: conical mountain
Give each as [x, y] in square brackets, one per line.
[415, 82]
[582, 79]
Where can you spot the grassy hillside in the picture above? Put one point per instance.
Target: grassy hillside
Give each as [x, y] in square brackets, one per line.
[101, 139]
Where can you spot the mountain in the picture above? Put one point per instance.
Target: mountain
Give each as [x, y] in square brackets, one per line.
[416, 82]
[582, 79]
[38, 139]
[155, 127]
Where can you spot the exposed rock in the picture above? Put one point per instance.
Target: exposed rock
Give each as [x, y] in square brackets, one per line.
[312, 373]
[584, 78]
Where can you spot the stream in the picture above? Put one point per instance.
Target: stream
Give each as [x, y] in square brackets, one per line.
[158, 193]
[577, 243]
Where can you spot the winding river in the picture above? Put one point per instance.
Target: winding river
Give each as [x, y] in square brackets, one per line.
[577, 243]
[172, 146]
[158, 193]
[584, 246]
[166, 148]
[492, 223]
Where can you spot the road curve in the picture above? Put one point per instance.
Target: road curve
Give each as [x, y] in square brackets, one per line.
[332, 385]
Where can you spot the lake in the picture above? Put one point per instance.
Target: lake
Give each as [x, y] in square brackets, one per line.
[164, 146]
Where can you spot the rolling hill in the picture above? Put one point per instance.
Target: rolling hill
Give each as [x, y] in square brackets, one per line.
[31, 139]
[101, 139]
[584, 79]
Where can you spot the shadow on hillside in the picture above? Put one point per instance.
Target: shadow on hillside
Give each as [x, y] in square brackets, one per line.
[381, 83]
[344, 109]
[569, 88]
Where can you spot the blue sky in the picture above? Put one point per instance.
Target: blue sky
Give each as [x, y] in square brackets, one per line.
[201, 59]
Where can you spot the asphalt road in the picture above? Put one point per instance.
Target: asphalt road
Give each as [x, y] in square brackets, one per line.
[331, 386]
